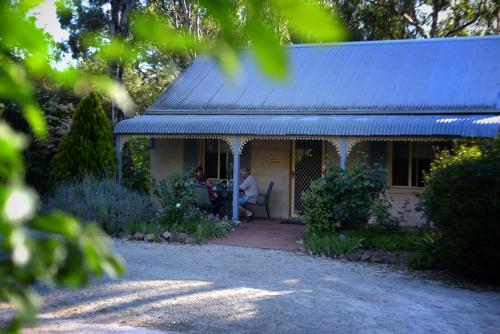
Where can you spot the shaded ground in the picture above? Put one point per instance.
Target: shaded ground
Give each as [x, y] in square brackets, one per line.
[265, 233]
[224, 289]
[75, 327]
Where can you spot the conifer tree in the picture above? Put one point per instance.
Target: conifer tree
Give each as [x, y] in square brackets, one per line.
[88, 147]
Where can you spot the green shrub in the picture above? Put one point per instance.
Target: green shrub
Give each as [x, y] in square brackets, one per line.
[136, 164]
[342, 199]
[425, 255]
[114, 207]
[332, 244]
[175, 194]
[462, 199]
[204, 226]
[88, 147]
[382, 219]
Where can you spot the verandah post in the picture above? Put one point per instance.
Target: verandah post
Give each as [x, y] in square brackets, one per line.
[343, 152]
[236, 177]
[118, 148]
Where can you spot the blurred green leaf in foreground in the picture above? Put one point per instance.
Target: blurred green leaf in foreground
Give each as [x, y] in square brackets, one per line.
[56, 249]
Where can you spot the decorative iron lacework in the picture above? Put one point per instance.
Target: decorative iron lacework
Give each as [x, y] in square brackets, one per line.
[125, 138]
[335, 141]
[356, 140]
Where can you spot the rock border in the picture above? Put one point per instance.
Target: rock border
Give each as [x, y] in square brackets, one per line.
[178, 238]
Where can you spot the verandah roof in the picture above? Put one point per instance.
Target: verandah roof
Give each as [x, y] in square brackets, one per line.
[314, 125]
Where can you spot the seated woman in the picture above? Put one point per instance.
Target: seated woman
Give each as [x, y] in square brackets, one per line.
[214, 198]
[197, 174]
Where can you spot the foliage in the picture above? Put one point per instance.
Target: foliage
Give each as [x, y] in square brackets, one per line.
[462, 199]
[144, 84]
[136, 164]
[217, 28]
[388, 240]
[394, 19]
[104, 201]
[57, 104]
[88, 147]
[176, 198]
[192, 221]
[332, 244]
[342, 199]
[425, 255]
[53, 249]
[178, 212]
[420, 245]
[382, 218]
[380, 239]
[204, 226]
[67, 252]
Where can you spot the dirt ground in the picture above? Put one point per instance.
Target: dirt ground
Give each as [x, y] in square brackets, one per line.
[226, 289]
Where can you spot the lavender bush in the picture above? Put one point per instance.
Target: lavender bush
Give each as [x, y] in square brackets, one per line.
[114, 207]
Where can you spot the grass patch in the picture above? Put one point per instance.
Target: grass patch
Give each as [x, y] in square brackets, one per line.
[389, 240]
[339, 243]
[331, 244]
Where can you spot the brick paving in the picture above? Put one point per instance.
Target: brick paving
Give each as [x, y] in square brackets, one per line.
[265, 233]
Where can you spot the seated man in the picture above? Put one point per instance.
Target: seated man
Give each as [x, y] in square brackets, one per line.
[250, 190]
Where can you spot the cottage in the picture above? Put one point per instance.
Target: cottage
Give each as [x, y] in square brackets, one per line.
[392, 100]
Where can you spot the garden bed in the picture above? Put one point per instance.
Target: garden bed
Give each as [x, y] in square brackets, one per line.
[394, 247]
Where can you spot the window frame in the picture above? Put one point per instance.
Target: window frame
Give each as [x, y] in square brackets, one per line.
[203, 157]
[410, 166]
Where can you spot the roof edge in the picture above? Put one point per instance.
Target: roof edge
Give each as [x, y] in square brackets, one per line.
[408, 112]
[388, 41]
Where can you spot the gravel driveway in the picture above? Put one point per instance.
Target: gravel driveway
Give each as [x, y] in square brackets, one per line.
[225, 289]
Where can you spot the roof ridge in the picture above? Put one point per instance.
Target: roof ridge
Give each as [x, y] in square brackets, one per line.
[390, 41]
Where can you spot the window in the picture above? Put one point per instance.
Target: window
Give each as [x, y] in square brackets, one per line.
[411, 160]
[400, 165]
[217, 159]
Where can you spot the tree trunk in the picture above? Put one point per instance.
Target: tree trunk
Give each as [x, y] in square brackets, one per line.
[120, 12]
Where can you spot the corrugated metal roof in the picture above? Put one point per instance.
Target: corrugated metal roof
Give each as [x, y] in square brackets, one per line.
[447, 75]
[315, 125]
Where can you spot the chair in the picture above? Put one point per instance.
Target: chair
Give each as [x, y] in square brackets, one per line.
[202, 198]
[262, 200]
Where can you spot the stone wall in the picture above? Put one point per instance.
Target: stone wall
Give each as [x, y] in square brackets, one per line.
[404, 201]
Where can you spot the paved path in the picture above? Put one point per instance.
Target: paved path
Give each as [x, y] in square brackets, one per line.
[225, 289]
[265, 233]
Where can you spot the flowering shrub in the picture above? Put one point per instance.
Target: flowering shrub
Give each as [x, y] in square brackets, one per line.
[114, 207]
[176, 199]
[178, 212]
